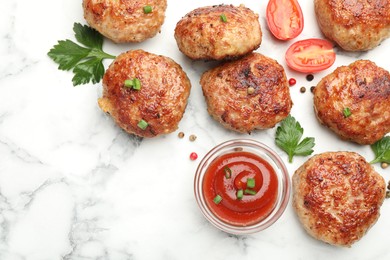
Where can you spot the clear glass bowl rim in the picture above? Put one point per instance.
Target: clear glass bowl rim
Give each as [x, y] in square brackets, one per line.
[261, 150]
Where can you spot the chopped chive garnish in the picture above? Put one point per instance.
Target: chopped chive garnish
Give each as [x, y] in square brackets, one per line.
[223, 18]
[137, 84]
[129, 83]
[250, 183]
[250, 192]
[228, 172]
[133, 83]
[147, 9]
[240, 194]
[217, 199]
[142, 124]
[347, 112]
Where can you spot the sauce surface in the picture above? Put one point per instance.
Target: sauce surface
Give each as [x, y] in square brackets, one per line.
[241, 166]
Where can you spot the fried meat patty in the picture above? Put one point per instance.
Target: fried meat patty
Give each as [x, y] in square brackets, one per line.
[161, 100]
[125, 21]
[247, 94]
[363, 89]
[355, 25]
[203, 33]
[337, 197]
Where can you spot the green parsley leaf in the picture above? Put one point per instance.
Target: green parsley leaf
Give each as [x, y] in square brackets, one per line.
[91, 69]
[67, 54]
[85, 62]
[288, 136]
[88, 36]
[382, 150]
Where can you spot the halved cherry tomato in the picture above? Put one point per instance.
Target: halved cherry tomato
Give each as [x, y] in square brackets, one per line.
[284, 18]
[311, 55]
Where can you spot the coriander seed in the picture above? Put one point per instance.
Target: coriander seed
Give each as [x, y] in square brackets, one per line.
[180, 134]
[302, 89]
[250, 90]
[384, 165]
[192, 138]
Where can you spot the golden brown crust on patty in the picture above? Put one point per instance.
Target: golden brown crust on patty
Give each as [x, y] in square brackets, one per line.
[337, 197]
[160, 102]
[355, 25]
[362, 87]
[124, 20]
[201, 34]
[227, 90]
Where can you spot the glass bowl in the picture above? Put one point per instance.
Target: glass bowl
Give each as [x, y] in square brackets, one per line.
[267, 154]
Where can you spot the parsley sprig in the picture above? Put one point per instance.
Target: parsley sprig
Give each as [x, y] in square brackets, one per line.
[288, 136]
[382, 150]
[87, 61]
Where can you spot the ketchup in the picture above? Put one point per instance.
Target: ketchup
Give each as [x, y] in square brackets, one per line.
[233, 209]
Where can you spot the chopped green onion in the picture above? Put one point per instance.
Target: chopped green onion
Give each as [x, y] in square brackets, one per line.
[250, 183]
[147, 9]
[228, 172]
[129, 83]
[142, 124]
[223, 18]
[347, 112]
[217, 199]
[133, 83]
[137, 84]
[250, 192]
[240, 194]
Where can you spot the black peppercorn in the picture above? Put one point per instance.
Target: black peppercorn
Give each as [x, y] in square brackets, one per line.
[309, 77]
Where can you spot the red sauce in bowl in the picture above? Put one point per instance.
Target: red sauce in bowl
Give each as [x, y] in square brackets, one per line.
[251, 207]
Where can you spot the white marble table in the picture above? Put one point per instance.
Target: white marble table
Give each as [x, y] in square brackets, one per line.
[75, 186]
